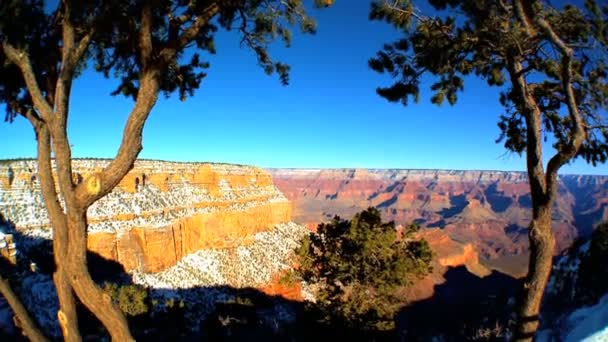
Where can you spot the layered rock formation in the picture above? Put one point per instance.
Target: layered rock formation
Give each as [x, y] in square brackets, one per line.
[159, 213]
[489, 209]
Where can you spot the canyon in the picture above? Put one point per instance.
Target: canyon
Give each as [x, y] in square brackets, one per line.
[192, 230]
[186, 231]
[488, 209]
[180, 225]
[162, 212]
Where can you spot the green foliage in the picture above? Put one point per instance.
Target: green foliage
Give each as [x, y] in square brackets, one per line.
[132, 299]
[485, 38]
[115, 48]
[592, 282]
[359, 265]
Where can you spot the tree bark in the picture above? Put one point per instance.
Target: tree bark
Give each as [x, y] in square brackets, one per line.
[49, 120]
[97, 301]
[540, 233]
[66, 316]
[542, 247]
[543, 185]
[30, 329]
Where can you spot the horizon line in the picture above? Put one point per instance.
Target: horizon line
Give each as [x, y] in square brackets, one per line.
[2, 160]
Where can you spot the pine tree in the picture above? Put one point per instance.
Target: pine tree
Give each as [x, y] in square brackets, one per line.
[358, 265]
[551, 65]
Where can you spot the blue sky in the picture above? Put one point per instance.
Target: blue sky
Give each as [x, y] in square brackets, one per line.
[329, 116]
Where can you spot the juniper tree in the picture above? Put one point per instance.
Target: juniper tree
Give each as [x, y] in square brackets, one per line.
[358, 265]
[551, 66]
[151, 47]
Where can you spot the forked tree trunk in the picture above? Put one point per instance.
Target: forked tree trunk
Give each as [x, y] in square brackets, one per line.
[543, 185]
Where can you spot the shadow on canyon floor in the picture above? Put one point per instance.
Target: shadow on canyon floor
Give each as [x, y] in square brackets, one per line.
[461, 306]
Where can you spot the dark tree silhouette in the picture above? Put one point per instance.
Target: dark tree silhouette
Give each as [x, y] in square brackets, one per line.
[551, 64]
[143, 44]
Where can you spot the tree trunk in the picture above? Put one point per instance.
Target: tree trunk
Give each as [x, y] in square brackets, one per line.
[98, 302]
[66, 316]
[542, 247]
[30, 329]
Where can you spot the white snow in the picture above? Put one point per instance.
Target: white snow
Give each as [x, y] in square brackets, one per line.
[584, 324]
[40, 298]
[244, 266]
[23, 204]
[589, 323]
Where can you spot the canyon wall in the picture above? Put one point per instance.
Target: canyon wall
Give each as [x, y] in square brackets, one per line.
[488, 209]
[159, 213]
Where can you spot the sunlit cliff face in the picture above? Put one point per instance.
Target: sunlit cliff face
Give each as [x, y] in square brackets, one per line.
[160, 212]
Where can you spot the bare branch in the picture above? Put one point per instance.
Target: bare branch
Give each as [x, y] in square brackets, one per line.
[27, 323]
[200, 21]
[413, 13]
[22, 60]
[34, 119]
[175, 43]
[523, 18]
[99, 185]
[578, 134]
[72, 53]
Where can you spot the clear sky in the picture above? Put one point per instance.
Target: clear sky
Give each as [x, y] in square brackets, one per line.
[329, 116]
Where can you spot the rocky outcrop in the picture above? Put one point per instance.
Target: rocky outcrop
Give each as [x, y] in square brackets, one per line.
[488, 209]
[451, 253]
[159, 213]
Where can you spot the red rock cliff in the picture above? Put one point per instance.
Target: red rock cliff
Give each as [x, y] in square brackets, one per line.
[160, 212]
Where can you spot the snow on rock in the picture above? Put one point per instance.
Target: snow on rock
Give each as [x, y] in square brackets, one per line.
[208, 277]
[22, 203]
[565, 272]
[40, 298]
[244, 266]
[588, 324]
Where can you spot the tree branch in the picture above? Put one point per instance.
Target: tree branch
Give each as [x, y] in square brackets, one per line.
[98, 185]
[30, 328]
[578, 133]
[413, 13]
[520, 12]
[22, 60]
[33, 118]
[201, 20]
[528, 108]
[72, 53]
[178, 42]
[145, 37]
